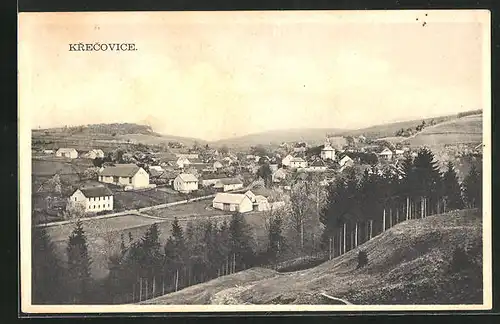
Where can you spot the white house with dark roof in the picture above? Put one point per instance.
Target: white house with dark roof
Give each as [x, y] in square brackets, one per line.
[286, 160]
[67, 152]
[279, 175]
[185, 183]
[93, 198]
[232, 202]
[182, 162]
[126, 175]
[386, 154]
[298, 162]
[317, 165]
[228, 184]
[93, 154]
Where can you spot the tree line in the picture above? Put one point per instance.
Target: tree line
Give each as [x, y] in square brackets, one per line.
[358, 209]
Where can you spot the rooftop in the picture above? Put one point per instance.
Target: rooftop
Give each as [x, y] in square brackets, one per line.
[120, 170]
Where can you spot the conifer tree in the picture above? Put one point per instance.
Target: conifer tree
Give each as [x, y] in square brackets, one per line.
[472, 188]
[151, 251]
[79, 264]
[47, 272]
[452, 190]
[240, 242]
[276, 237]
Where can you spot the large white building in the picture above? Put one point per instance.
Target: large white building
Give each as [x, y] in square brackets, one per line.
[125, 175]
[94, 198]
[67, 152]
[328, 152]
[185, 183]
[298, 162]
[228, 184]
[233, 202]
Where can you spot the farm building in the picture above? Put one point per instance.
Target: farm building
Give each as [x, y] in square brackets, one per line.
[346, 160]
[386, 154]
[317, 165]
[93, 154]
[126, 175]
[67, 152]
[185, 182]
[286, 160]
[399, 153]
[218, 165]
[48, 151]
[232, 202]
[228, 184]
[182, 162]
[298, 162]
[261, 203]
[279, 175]
[187, 155]
[93, 198]
[211, 179]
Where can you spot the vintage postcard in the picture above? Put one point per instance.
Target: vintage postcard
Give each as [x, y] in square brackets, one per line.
[255, 161]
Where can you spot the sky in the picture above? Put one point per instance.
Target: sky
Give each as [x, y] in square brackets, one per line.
[214, 75]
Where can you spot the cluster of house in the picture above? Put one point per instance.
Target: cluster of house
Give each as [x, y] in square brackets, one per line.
[72, 153]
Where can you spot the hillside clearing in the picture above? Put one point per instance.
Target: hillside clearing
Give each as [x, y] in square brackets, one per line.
[408, 264]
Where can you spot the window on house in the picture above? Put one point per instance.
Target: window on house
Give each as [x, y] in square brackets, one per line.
[115, 179]
[129, 180]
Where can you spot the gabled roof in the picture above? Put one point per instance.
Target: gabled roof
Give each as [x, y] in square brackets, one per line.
[250, 195]
[318, 163]
[187, 177]
[230, 181]
[66, 149]
[97, 191]
[120, 170]
[169, 174]
[155, 172]
[385, 151]
[227, 198]
[298, 159]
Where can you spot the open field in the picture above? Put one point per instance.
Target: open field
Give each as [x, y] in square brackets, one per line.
[407, 264]
[467, 129]
[104, 234]
[135, 199]
[196, 208]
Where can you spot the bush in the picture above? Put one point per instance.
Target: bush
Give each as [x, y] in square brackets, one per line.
[362, 259]
[460, 260]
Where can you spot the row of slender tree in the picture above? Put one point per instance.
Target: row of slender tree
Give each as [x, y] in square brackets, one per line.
[358, 209]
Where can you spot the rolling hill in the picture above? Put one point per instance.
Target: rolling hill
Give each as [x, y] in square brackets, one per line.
[105, 136]
[310, 135]
[468, 129]
[411, 263]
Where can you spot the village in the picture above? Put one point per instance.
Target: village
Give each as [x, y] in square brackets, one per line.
[232, 181]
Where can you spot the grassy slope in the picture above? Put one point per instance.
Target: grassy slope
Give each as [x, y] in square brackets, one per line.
[408, 264]
[467, 129]
[312, 136]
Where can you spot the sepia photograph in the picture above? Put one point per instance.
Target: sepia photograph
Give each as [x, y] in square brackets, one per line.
[192, 161]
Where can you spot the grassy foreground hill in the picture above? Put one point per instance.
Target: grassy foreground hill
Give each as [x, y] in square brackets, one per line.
[411, 263]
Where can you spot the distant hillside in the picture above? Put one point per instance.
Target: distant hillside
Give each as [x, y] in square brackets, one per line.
[105, 136]
[313, 136]
[468, 129]
[408, 264]
[110, 129]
